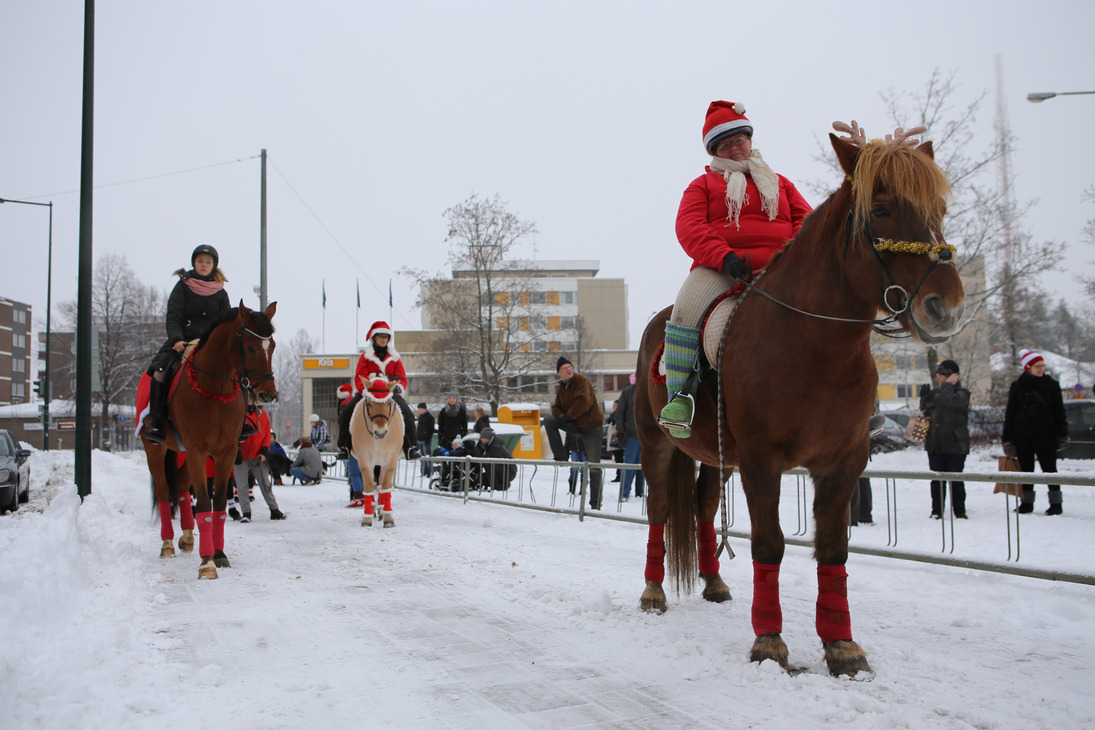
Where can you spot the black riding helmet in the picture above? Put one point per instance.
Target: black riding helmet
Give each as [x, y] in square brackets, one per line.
[209, 251]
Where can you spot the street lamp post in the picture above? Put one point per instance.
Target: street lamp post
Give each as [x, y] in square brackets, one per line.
[49, 289]
[1037, 97]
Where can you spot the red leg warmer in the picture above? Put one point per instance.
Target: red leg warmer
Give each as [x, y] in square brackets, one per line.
[834, 622]
[707, 543]
[205, 534]
[218, 529]
[767, 615]
[655, 554]
[186, 513]
[166, 531]
[368, 504]
[385, 500]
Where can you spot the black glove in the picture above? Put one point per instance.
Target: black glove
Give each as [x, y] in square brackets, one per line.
[732, 264]
[564, 423]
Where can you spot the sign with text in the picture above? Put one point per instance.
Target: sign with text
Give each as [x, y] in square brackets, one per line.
[326, 363]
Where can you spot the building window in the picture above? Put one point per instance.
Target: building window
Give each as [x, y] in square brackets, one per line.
[501, 298]
[568, 297]
[539, 297]
[568, 323]
[552, 297]
[18, 365]
[906, 391]
[20, 316]
[18, 340]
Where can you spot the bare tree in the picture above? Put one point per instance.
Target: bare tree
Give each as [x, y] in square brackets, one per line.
[487, 309]
[129, 322]
[290, 403]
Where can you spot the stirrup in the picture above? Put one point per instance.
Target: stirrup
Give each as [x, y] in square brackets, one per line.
[876, 425]
[680, 425]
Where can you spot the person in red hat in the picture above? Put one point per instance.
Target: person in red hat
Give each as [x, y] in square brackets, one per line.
[731, 220]
[1035, 426]
[379, 359]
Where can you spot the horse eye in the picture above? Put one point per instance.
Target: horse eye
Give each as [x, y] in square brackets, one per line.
[880, 212]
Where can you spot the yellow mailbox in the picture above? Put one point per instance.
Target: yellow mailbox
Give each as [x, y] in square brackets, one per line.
[527, 416]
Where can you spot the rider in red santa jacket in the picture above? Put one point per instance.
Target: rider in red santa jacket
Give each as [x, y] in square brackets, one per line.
[379, 359]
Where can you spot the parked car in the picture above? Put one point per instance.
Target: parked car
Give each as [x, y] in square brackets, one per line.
[890, 438]
[1081, 422]
[14, 473]
[986, 424]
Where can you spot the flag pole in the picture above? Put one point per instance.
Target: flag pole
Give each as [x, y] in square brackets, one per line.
[389, 302]
[323, 346]
[357, 316]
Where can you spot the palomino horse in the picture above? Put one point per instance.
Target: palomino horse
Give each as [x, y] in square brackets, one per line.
[797, 385]
[376, 432]
[205, 413]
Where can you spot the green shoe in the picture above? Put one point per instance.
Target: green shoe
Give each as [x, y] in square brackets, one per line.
[677, 415]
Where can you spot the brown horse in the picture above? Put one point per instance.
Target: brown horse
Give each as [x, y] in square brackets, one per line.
[377, 435]
[205, 413]
[376, 431]
[798, 383]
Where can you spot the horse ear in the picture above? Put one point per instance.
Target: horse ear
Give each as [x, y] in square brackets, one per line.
[392, 385]
[270, 308]
[927, 149]
[846, 153]
[243, 307]
[362, 383]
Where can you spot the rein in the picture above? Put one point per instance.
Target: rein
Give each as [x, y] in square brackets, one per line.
[391, 412]
[244, 381]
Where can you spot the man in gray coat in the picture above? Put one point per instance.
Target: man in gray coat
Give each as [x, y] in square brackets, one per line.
[947, 406]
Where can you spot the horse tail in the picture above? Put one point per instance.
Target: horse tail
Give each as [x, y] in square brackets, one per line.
[170, 472]
[680, 526]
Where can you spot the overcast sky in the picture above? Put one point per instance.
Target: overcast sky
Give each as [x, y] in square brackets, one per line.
[584, 117]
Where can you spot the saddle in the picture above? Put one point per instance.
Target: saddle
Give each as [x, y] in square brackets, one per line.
[714, 323]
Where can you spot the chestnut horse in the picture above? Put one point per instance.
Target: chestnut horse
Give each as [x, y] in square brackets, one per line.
[376, 431]
[205, 414]
[798, 386]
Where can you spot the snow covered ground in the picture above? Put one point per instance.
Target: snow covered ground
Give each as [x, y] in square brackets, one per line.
[485, 616]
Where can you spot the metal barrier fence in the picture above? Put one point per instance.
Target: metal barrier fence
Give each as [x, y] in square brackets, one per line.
[545, 496]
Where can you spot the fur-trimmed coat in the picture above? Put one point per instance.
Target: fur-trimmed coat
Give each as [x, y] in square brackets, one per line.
[370, 365]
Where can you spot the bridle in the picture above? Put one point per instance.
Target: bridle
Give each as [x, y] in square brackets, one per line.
[936, 252]
[243, 381]
[368, 419]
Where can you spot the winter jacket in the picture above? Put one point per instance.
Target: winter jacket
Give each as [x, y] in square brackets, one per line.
[309, 460]
[497, 476]
[372, 364]
[625, 413]
[452, 426]
[320, 436]
[481, 423]
[1035, 412]
[707, 236]
[947, 406]
[189, 315]
[257, 443]
[425, 427]
[577, 399]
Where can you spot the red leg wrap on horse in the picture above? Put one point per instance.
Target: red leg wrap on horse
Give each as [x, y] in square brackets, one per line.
[707, 543]
[655, 554]
[205, 534]
[166, 533]
[385, 500]
[767, 615]
[834, 622]
[218, 529]
[186, 513]
[368, 504]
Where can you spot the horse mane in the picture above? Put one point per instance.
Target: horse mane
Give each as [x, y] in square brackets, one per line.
[260, 323]
[905, 172]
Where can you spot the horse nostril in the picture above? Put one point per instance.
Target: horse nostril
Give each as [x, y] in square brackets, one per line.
[933, 309]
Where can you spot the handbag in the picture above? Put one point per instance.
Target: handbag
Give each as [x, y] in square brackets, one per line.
[917, 429]
[1008, 463]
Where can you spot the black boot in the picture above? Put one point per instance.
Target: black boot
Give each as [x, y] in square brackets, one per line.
[154, 428]
[344, 417]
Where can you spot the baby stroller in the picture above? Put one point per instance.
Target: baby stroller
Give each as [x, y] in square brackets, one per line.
[448, 476]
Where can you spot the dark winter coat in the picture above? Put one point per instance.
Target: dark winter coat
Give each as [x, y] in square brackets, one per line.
[947, 406]
[496, 476]
[1035, 412]
[425, 427]
[577, 399]
[451, 427]
[189, 315]
[625, 413]
[481, 423]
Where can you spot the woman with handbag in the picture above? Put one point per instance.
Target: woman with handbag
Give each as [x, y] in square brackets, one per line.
[947, 407]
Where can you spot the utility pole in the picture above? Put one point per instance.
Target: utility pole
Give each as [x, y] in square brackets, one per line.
[262, 236]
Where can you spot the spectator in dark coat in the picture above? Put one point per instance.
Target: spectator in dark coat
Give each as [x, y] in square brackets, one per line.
[576, 410]
[424, 433]
[452, 421]
[482, 420]
[494, 476]
[625, 424]
[1035, 426]
[947, 406]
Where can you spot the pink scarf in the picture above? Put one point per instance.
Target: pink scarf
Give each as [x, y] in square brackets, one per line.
[204, 288]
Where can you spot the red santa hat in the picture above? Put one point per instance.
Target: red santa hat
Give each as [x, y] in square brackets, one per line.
[379, 328]
[344, 391]
[1029, 358]
[378, 390]
[724, 119]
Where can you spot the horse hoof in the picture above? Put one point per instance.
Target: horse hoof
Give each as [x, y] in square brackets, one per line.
[220, 559]
[186, 542]
[366, 521]
[389, 521]
[207, 570]
[769, 646]
[653, 600]
[167, 550]
[845, 657]
[715, 590]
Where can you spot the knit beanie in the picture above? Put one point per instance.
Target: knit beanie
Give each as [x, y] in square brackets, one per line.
[724, 119]
[561, 362]
[947, 367]
[1029, 358]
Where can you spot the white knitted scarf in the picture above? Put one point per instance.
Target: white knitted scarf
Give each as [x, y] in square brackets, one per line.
[734, 173]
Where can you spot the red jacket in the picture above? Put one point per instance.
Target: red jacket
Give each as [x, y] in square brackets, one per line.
[369, 366]
[707, 236]
[257, 443]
